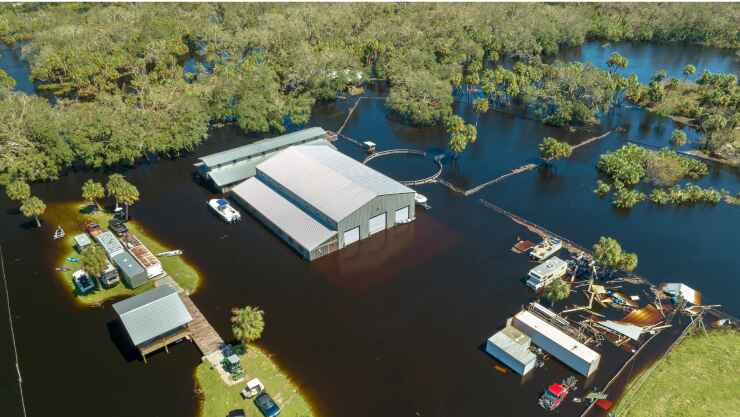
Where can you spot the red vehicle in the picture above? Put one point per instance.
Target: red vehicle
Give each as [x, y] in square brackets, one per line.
[556, 393]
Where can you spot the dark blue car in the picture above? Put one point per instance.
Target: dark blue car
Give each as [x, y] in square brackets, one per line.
[266, 405]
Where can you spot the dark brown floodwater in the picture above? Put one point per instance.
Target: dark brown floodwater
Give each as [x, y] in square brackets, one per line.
[392, 326]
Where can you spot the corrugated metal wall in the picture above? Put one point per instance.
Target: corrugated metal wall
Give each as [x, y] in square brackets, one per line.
[385, 203]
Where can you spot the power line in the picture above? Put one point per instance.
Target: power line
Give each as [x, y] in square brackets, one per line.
[12, 332]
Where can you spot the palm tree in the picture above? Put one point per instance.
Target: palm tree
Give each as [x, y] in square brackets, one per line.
[92, 191]
[18, 190]
[115, 186]
[688, 71]
[556, 291]
[480, 106]
[247, 323]
[33, 207]
[128, 195]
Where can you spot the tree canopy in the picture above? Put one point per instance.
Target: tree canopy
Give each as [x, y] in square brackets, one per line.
[92, 191]
[18, 190]
[609, 255]
[33, 207]
[557, 290]
[551, 148]
[93, 260]
[247, 323]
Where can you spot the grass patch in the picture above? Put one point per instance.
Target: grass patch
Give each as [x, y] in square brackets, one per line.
[71, 217]
[674, 98]
[217, 399]
[698, 378]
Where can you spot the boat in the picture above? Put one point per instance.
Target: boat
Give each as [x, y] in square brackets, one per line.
[63, 268]
[547, 247]
[556, 393]
[420, 199]
[72, 259]
[59, 233]
[543, 274]
[176, 252]
[224, 210]
[83, 282]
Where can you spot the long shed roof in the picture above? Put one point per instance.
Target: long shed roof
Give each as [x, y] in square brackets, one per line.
[152, 313]
[263, 145]
[328, 180]
[293, 221]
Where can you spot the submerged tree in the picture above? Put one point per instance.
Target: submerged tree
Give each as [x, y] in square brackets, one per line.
[480, 106]
[460, 134]
[557, 290]
[18, 190]
[93, 260]
[678, 137]
[688, 71]
[33, 207]
[552, 149]
[128, 196]
[609, 255]
[616, 61]
[92, 191]
[247, 324]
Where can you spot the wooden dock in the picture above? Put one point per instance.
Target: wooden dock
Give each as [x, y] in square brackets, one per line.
[204, 335]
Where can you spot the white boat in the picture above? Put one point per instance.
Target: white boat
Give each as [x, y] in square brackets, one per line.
[224, 210]
[420, 199]
[59, 233]
[176, 252]
[547, 247]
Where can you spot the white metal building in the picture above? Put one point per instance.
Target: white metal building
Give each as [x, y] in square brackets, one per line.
[319, 200]
[568, 350]
[511, 347]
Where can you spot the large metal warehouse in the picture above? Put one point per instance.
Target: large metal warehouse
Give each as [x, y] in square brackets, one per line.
[319, 200]
[224, 170]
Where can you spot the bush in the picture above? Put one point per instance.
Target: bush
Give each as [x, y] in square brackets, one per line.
[627, 198]
[602, 188]
[678, 138]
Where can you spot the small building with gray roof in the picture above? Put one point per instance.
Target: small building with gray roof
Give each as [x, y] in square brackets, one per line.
[154, 318]
[223, 170]
[132, 273]
[319, 200]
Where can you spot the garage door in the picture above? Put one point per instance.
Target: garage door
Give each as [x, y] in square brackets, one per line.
[402, 215]
[352, 236]
[377, 224]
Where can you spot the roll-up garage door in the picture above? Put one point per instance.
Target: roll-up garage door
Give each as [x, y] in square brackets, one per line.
[352, 236]
[377, 224]
[402, 215]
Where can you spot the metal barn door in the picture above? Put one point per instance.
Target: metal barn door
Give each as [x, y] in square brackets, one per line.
[352, 236]
[377, 224]
[402, 214]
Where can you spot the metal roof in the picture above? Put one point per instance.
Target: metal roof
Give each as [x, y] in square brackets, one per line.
[109, 242]
[294, 222]
[82, 240]
[328, 180]
[128, 264]
[549, 266]
[627, 329]
[152, 313]
[514, 343]
[689, 294]
[555, 335]
[247, 168]
[263, 145]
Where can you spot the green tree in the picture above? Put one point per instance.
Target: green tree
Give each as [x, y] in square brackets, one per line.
[602, 188]
[626, 198]
[688, 71]
[609, 255]
[557, 290]
[659, 76]
[93, 260]
[460, 134]
[18, 190]
[33, 207]
[678, 137]
[552, 149]
[247, 324]
[115, 186]
[616, 61]
[6, 81]
[480, 106]
[128, 196]
[92, 191]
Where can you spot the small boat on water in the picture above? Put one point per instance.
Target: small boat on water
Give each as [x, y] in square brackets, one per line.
[420, 199]
[176, 252]
[72, 259]
[83, 282]
[224, 210]
[63, 268]
[59, 233]
[547, 247]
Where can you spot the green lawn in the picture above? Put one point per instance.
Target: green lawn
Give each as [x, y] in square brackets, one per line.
[700, 377]
[217, 399]
[71, 218]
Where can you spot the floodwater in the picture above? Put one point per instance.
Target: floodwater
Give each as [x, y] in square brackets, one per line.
[391, 326]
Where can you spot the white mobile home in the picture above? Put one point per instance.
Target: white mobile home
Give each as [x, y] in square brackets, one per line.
[568, 350]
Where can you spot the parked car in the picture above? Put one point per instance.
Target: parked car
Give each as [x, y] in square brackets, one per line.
[236, 413]
[117, 227]
[266, 405]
